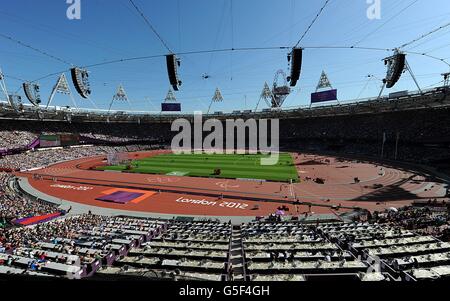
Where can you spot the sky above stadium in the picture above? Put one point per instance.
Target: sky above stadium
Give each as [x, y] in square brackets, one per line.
[112, 29]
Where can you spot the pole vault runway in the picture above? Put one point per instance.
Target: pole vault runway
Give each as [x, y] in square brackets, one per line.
[378, 187]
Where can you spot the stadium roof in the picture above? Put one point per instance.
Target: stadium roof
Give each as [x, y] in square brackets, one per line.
[437, 98]
[232, 45]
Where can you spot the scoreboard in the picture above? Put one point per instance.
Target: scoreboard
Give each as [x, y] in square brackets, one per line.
[69, 139]
[329, 95]
[59, 140]
[171, 107]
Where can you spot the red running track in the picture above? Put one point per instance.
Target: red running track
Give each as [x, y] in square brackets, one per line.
[73, 181]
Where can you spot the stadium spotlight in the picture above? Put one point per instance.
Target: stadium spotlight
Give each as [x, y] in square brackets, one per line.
[172, 70]
[295, 58]
[396, 65]
[80, 79]
[16, 100]
[32, 93]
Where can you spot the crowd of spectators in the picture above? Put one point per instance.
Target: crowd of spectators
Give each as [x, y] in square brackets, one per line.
[428, 220]
[21, 133]
[92, 137]
[40, 158]
[72, 247]
[419, 136]
[415, 126]
[15, 139]
[68, 227]
[14, 205]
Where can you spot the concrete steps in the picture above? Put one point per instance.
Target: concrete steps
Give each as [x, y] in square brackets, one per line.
[236, 255]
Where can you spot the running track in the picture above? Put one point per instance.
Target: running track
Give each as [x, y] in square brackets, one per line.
[74, 181]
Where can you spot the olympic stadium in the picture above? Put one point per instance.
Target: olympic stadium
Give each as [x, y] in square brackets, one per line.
[94, 189]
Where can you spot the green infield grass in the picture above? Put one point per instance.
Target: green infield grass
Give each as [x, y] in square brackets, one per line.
[232, 166]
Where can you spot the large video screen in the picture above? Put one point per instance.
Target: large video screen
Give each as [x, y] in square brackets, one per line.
[69, 139]
[49, 141]
[324, 96]
[171, 107]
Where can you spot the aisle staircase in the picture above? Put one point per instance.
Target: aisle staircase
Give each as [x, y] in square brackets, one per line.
[237, 260]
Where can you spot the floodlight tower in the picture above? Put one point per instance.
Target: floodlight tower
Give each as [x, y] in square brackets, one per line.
[3, 86]
[11, 99]
[266, 94]
[120, 95]
[216, 98]
[61, 87]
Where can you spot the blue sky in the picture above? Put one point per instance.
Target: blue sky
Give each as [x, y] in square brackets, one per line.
[111, 29]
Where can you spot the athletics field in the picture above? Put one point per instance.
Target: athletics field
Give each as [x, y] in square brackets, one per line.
[232, 166]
